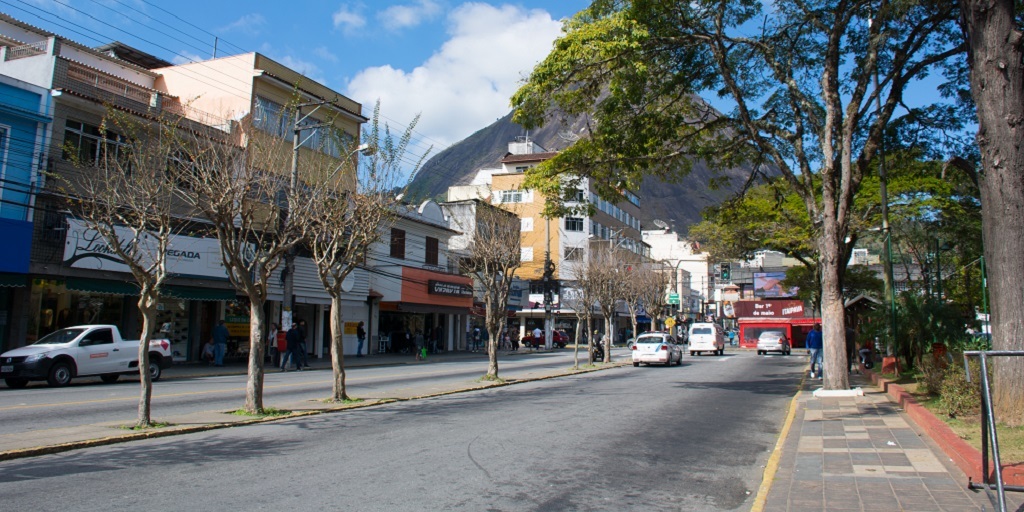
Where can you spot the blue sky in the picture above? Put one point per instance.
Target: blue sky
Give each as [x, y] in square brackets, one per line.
[454, 62]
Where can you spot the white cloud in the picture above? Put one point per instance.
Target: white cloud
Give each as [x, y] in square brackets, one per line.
[249, 24]
[467, 83]
[348, 19]
[300, 66]
[398, 17]
[324, 53]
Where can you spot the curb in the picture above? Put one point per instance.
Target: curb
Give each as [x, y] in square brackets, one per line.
[772, 466]
[180, 430]
[965, 456]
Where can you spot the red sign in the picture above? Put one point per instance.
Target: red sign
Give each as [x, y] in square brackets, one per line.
[769, 308]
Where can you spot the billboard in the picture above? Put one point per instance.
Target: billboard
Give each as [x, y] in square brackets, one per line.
[768, 285]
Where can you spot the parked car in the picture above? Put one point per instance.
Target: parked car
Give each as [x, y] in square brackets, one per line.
[773, 341]
[706, 337]
[656, 347]
[81, 351]
[559, 339]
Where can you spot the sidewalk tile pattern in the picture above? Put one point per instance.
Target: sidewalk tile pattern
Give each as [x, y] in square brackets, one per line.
[861, 454]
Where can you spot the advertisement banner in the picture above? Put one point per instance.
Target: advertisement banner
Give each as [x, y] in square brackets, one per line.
[769, 308]
[768, 285]
[186, 256]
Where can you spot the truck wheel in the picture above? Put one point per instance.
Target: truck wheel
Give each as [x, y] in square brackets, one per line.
[154, 371]
[60, 374]
[16, 383]
[110, 378]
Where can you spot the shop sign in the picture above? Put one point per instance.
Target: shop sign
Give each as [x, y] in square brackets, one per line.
[186, 255]
[769, 308]
[448, 288]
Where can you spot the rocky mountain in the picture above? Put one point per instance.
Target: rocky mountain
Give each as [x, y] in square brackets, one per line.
[678, 204]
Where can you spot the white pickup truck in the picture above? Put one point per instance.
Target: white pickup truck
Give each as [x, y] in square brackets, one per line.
[81, 351]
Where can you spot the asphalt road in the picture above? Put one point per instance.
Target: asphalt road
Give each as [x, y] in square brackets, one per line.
[693, 437]
[88, 400]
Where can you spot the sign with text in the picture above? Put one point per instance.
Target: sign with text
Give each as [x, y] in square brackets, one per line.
[186, 255]
[448, 288]
[769, 308]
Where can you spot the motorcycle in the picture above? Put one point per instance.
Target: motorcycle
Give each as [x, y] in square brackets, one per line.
[598, 351]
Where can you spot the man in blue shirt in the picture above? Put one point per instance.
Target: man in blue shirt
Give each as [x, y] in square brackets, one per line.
[220, 343]
[814, 344]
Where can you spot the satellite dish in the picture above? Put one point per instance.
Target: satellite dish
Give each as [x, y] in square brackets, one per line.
[660, 223]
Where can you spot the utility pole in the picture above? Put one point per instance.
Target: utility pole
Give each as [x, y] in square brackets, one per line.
[287, 302]
[549, 271]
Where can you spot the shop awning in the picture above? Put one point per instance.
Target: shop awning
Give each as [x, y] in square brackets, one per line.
[131, 289]
[193, 293]
[100, 286]
[13, 280]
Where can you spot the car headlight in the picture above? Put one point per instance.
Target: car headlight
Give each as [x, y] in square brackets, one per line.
[35, 357]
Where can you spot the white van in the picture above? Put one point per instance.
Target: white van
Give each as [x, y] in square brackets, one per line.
[706, 337]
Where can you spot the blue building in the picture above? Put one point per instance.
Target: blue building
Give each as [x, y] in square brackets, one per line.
[24, 132]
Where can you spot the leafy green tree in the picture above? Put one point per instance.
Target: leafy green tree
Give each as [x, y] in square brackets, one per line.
[800, 77]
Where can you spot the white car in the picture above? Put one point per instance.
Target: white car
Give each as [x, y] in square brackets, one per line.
[773, 341]
[656, 347]
[706, 337]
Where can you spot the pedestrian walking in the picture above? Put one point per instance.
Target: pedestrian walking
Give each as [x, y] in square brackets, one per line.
[476, 339]
[220, 343]
[361, 336]
[294, 342]
[302, 343]
[419, 345]
[814, 344]
[272, 343]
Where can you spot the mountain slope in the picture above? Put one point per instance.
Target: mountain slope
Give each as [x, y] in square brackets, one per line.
[679, 204]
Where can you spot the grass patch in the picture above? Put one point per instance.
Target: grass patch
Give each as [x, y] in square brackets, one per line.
[491, 378]
[152, 425]
[1011, 439]
[347, 401]
[267, 413]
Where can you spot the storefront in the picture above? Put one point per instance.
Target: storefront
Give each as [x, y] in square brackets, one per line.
[434, 304]
[787, 316]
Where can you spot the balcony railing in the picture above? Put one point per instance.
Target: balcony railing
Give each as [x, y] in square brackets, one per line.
[26, 50]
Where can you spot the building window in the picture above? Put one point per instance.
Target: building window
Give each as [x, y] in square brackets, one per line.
[526, 254]
[526, 224]
[574, 224]
[398, 243]
[522, 168]
[89, 145]
[511, 196]
[431, 254]
[573, 254]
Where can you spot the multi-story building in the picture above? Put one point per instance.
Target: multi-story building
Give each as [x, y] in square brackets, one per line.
[566, 241]
[74, 86]
[417, 284]
[24, 131]
[692, 271]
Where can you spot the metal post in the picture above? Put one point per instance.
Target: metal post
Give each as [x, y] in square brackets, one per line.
[548, 293]
[990, 416]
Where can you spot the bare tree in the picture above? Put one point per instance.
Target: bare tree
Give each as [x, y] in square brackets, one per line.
[580, 296]
[242, 193]
[632, 287]
[127, 197]
[492, 256]
[605, 267]
[654, 291]
[349, 208]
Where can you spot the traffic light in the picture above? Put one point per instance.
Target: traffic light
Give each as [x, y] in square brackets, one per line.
[726, 271]
[549, 269]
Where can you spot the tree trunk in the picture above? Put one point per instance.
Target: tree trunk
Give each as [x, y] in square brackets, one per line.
[997, 84]
[254, 387]
[494, 333]
[338, 391]
[590, 339]
[609, 325]
[576, 346]
[147, 308]
[832, 318]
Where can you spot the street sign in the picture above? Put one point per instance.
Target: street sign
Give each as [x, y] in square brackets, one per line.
[670, 322]
[673, 298]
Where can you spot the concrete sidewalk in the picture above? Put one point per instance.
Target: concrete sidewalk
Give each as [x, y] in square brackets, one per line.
[862, 453]
[55, 440]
